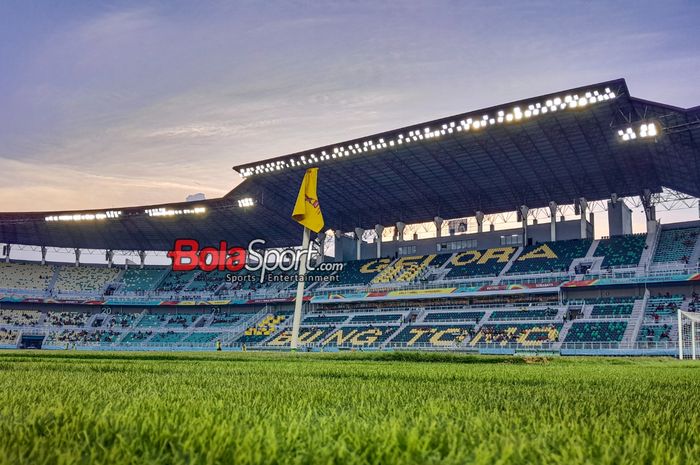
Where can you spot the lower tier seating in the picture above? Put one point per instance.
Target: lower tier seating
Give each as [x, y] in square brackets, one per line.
[603, 331]
[422, 335]
[612, 310]
[539, 314]
[524, 334]
[655, 333]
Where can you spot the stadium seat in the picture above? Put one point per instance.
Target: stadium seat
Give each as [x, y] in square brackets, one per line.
[8, 336]
[360, 271]
[425, 335]
[324, 319]
[307, 335]
[25, 276]
[83, 278]
[477, 263]
[655, 333]
[167, 337]
[676, 245]
[621, 250]
[141, 280]
[611, 310]
[359, 336]
[377, 318]
[524, 334]
[409, 268]
[549, 256]
[20, 317]
[474, 317]
[603, 331]
[524, 314]
[67, 318]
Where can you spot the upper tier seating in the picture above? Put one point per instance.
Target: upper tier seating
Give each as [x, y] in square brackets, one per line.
[176, 281]
[409, 268]
[603, 331]
[20, 317]
[141, 280]
[83, 278]
[621, 250]
[525, 314]
[475, 263]
[67, 318]
[422, 335]
[676, 245]
[550, 256]
[359, 336]
[208, 281]
[454, 316]
[612, 310]
[524, 334]
[27, 276]
[360, 271]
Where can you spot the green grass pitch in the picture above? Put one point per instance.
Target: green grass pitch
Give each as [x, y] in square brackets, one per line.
[354, 408]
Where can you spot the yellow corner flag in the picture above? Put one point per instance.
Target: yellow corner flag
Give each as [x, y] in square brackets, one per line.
[307, 210]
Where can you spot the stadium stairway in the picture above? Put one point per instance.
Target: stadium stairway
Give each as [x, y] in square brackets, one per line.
[507, 266]
[695, 256]
[636, 319]
[591, 250]
[652, 242]
[52, 281]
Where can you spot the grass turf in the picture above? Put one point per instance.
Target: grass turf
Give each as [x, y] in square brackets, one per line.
[260, 408]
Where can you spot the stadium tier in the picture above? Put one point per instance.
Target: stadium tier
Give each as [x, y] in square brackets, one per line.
[676, 245]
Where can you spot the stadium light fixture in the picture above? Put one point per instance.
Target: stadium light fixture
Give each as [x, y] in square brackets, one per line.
[475, 122]
[162, 211]
[109, 214]
[246, 202]
[646, 130]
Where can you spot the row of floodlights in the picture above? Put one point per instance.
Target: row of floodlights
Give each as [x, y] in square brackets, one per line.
[514, 114]
[246, 202]
[110, 214]
[645, 130]
[172, 212]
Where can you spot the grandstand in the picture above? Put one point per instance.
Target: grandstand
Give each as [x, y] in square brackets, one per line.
[490, 288]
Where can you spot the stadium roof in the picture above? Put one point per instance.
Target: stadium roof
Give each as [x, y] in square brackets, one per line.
[585, 142]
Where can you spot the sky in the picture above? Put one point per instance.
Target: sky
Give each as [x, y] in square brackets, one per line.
[108, 104]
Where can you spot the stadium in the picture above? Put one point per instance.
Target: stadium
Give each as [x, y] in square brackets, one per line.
[545, 286]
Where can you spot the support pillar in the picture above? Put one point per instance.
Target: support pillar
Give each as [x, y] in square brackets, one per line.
[358, 238]
[43, 255]
[524, 210]
[379, 230]
[77, 256]
[8, 249]
[400, 226]
[553, 221]
[321, 246]
[142, 258]
[479, 221]
[110, 258]
[583, 206]
[438, 225]
[649, 210]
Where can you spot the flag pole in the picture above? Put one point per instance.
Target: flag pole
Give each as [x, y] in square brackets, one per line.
[300, 290]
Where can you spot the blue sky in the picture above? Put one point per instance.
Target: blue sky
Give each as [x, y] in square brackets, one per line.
[121, 103]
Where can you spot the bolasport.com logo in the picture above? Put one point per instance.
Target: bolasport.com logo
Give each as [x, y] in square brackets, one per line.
[253, 263]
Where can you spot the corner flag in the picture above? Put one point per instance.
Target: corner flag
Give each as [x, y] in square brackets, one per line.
[307, 210]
